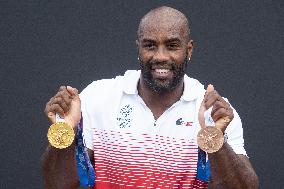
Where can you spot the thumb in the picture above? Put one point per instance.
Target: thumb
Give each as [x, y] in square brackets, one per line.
[74, 113]
[51, 117]
[75, 97]
[203, 108]
[210, 88]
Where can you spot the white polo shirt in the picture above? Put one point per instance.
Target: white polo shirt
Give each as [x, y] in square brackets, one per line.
[132, 149]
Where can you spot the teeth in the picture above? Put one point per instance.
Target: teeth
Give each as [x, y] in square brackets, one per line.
[164, 71]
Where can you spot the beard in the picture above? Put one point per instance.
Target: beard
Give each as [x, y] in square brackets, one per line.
[166, 85]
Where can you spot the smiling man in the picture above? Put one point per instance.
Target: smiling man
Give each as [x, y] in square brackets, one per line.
[140, 129]
[164, 48]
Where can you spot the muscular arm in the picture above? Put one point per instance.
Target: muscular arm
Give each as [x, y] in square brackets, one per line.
[59, 165]
[59, 168]
[231, 171]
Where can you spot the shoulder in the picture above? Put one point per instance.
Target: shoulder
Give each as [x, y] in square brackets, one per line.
[105, 88]
[193, 89]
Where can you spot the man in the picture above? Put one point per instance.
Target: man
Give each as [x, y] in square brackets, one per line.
[140, 129]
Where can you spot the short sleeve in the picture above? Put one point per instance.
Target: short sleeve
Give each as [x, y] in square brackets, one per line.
[87, 131]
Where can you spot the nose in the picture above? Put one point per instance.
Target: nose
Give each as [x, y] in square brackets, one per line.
[161, 55]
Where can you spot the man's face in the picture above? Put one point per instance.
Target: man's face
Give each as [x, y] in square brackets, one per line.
[163, 55]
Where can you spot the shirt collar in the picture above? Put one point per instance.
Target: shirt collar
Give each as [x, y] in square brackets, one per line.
[192, 87]
[130, 82]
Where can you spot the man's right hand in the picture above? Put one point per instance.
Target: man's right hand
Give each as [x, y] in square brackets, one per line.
[67, 104]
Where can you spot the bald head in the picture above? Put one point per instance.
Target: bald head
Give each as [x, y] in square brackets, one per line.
[164, 18]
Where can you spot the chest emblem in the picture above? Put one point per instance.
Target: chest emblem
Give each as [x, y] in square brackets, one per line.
[180, 121]
[124, 118]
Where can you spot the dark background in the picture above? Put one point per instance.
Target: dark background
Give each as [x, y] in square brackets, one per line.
[45, 44]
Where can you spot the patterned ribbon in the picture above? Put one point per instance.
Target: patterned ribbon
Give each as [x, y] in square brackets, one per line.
[203, 167]
[85, 169]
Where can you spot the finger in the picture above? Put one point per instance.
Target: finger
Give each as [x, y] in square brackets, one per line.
[51, 110]
[48, 104]
[51, 116]
[219, 113]
[65, 95]
[217, 105]
[212, 98]
[201, 118]
[203, 108]
[61, 102]
[56, 109]
[231, 113]
[222, 123]
[210, 88]
[62, 88]
[72, 91]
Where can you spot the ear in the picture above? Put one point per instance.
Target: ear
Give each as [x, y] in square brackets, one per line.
[137, 45]
[190, 48]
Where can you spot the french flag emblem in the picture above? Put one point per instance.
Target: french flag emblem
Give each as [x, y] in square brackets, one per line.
[184, 123]
[189, 123]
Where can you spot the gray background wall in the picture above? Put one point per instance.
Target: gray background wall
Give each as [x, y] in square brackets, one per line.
[45, 44]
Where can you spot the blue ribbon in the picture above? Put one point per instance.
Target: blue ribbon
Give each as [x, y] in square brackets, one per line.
[203, 167]
[85, 168]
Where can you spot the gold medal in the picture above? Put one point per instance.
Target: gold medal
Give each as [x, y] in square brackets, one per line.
[60, 135]
[210, 139]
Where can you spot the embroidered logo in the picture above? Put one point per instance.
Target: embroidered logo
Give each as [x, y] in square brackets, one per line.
[124, 117]
[208, 119]
[184, 123]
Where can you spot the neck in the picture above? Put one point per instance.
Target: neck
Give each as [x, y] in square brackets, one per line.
[158, 103]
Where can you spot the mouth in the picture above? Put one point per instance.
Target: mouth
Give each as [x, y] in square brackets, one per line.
[161, 73]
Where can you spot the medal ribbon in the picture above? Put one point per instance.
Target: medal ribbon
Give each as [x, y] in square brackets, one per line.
[85, 168]
[203, 167]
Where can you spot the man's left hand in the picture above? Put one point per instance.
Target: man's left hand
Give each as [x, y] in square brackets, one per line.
[222, 113]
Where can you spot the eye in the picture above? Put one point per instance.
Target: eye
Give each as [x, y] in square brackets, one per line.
[173, 46]
[149, 46]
